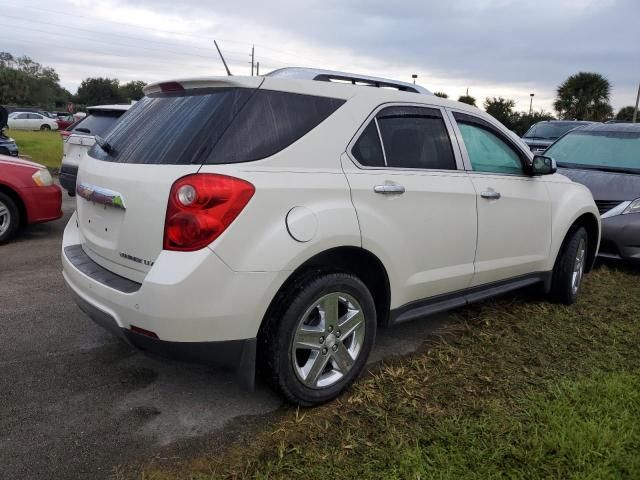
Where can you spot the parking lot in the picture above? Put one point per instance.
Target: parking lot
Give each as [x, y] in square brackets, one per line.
[76, 402]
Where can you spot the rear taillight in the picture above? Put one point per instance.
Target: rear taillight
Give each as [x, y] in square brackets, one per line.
[201, 207]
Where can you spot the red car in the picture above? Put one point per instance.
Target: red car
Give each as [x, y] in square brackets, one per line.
[65, 121]
[27, 195]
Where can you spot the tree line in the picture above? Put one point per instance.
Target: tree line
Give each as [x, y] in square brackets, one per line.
[26, 83]
[583, 96]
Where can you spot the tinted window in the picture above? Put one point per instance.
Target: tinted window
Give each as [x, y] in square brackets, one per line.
[213, 126]
[35, 116]
[270, 122]
[551, 131]
[607, 149]
[487, 152]
[415, 138]
[96, 123]
[367, 150]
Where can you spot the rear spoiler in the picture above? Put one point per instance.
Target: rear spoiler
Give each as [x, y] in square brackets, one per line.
[213, 82]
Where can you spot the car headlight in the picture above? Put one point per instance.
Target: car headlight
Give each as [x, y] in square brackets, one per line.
[42, 178]
[634, 207]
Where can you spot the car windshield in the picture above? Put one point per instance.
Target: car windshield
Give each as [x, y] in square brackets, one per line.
[604, 150]
[550, 131]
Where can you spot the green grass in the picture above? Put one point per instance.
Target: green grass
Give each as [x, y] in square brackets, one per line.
[516, 388]
[41, 147]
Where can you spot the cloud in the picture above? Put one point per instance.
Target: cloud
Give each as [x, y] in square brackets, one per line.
[493, 47]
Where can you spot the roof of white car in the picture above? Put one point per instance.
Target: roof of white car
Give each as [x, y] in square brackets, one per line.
[340, 89]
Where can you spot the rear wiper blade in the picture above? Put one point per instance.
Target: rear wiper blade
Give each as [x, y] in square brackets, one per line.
[81, 129]
[104, 145]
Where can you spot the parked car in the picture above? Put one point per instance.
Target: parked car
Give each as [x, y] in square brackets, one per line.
[31, 121]
[65, 121]
[542, 134]
[285, 218]
[606, 158]
[81, 137]
[8, 145]
[27, 195]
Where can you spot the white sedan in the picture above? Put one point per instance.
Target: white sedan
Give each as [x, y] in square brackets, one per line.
[30, 121]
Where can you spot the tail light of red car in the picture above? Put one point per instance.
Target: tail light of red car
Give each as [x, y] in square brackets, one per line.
[201, 206]
[65, 135]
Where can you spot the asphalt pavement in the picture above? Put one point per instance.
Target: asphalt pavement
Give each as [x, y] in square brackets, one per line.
[75, 402]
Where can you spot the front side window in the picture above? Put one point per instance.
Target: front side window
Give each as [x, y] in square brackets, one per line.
[412, 137]
[487, 152]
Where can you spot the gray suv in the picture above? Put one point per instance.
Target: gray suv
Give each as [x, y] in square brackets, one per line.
[542, 134]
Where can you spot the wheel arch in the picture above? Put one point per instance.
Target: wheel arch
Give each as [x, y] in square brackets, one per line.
[592, 225]
[22, 209]
[346, 259]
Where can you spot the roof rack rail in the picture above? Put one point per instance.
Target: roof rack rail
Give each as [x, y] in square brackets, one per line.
[353, 78]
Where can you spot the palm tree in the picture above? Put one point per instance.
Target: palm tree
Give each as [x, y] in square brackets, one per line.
[584, 96]
[441, 94]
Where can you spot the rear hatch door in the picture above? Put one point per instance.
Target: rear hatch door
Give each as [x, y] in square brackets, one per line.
[124, 185]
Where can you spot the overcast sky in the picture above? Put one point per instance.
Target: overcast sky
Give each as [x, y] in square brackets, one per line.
[503, 48]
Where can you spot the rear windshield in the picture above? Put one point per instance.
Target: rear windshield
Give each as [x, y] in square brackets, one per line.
[213, 126]
[551, 131]
[96, 123]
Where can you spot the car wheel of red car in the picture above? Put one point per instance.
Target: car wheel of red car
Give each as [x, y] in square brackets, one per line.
[9, 218]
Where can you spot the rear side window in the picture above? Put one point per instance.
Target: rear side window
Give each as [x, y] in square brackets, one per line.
[213, 126]
[367, 149]
[96, 123]
[270, 122]
[412, 137]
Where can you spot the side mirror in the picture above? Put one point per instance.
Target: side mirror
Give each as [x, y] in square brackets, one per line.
[543, 165]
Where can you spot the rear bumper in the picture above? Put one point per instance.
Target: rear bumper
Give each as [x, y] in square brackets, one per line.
[42, 204]
[239, 355]
[621, 237]
[197, 306]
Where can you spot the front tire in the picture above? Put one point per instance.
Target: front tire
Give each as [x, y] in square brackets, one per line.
[9, 218]
[568, 272]
[319, 338]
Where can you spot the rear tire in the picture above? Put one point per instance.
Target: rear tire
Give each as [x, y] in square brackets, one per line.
[568, 271]
[9, 218]
[45, 127]
[319, 337]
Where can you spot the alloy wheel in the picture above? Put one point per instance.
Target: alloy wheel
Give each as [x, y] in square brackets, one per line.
[5, 218]
[578, 267]
[328, 340]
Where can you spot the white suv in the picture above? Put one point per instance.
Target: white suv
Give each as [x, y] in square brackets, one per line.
[280, 220]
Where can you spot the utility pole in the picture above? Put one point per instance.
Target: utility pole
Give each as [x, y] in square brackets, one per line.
[635, 112]
[253, 48]
[258, 69]
[531, 103]
[414, 76]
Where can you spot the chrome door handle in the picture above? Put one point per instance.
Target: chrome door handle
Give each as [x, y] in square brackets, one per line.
[491, 195]
[389, 189]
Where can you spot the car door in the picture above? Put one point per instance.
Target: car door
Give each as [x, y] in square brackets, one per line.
[36, 121]
[415, 204]
[514, 208]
